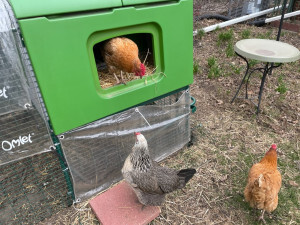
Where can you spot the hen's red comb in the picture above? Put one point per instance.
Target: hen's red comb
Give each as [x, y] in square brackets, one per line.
[143, 69]
[137, 133]
[274, 146]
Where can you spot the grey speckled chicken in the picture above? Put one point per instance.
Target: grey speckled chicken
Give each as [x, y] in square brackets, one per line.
[150, 181]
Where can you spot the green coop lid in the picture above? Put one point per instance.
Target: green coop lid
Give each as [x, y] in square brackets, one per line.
[34, 8]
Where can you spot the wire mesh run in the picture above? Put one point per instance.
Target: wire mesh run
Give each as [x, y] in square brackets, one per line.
[96, 152]
[239, 8]
[32, 189]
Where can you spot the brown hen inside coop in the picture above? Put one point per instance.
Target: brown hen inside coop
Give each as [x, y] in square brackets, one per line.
[144, 42]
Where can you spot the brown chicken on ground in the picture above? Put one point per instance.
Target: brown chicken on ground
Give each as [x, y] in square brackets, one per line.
[264, 182]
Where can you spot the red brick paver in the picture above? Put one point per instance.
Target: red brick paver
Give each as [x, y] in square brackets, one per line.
[119, 206]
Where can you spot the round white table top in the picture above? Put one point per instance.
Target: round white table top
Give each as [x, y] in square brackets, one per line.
[267, 50]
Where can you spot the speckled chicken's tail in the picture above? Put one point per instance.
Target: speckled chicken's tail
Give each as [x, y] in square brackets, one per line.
[187, 174]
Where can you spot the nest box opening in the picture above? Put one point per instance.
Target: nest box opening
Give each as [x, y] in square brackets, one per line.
[144, 42]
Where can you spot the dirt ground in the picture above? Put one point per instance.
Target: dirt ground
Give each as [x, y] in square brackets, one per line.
[229, 138]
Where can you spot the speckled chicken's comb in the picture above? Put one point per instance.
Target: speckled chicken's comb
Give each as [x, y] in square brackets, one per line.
[137, 133]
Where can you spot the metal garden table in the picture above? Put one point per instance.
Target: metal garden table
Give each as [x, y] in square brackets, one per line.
[268, 51]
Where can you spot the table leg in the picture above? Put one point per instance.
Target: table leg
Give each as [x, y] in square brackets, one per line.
[262, 86]
[240, 86]
[242, 80]
[264, 70]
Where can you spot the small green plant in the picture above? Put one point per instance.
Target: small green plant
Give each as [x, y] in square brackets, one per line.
[282, 89]
[214, 70]
[201, 33]
[195, 67]
[230, 50]
[246, 33]
[224, 37]
[211, 61]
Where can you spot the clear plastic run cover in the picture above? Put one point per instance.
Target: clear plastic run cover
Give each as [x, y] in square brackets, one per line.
[23, 130]
[96, 152]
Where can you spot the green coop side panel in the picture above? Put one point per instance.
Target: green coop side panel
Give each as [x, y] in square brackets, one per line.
[34, 8]
[61, 51]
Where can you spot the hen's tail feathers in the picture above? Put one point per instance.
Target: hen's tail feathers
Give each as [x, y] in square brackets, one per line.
[187, 174]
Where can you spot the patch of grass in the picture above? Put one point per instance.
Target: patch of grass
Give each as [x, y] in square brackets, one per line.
[195, 67]
[230, 50]
[282, 89]
[214, 69]
[211, 61]
[214, 72]
[246, 33]
[225, 37]
[266, 35]
[200, 33]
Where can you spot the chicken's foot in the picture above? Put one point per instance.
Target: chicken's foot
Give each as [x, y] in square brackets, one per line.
[120, 81]
[262, 217]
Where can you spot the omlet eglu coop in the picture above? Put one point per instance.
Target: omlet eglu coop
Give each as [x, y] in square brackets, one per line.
[66, 124]
[62, 38]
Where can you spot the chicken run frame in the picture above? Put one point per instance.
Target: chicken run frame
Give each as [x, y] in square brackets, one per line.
[57, 147]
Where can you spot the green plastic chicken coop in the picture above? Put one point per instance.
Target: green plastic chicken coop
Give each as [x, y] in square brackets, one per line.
[61, 35]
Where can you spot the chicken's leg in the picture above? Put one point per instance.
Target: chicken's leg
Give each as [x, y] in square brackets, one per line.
[122, 79]
[262, 217]
[117, 79]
